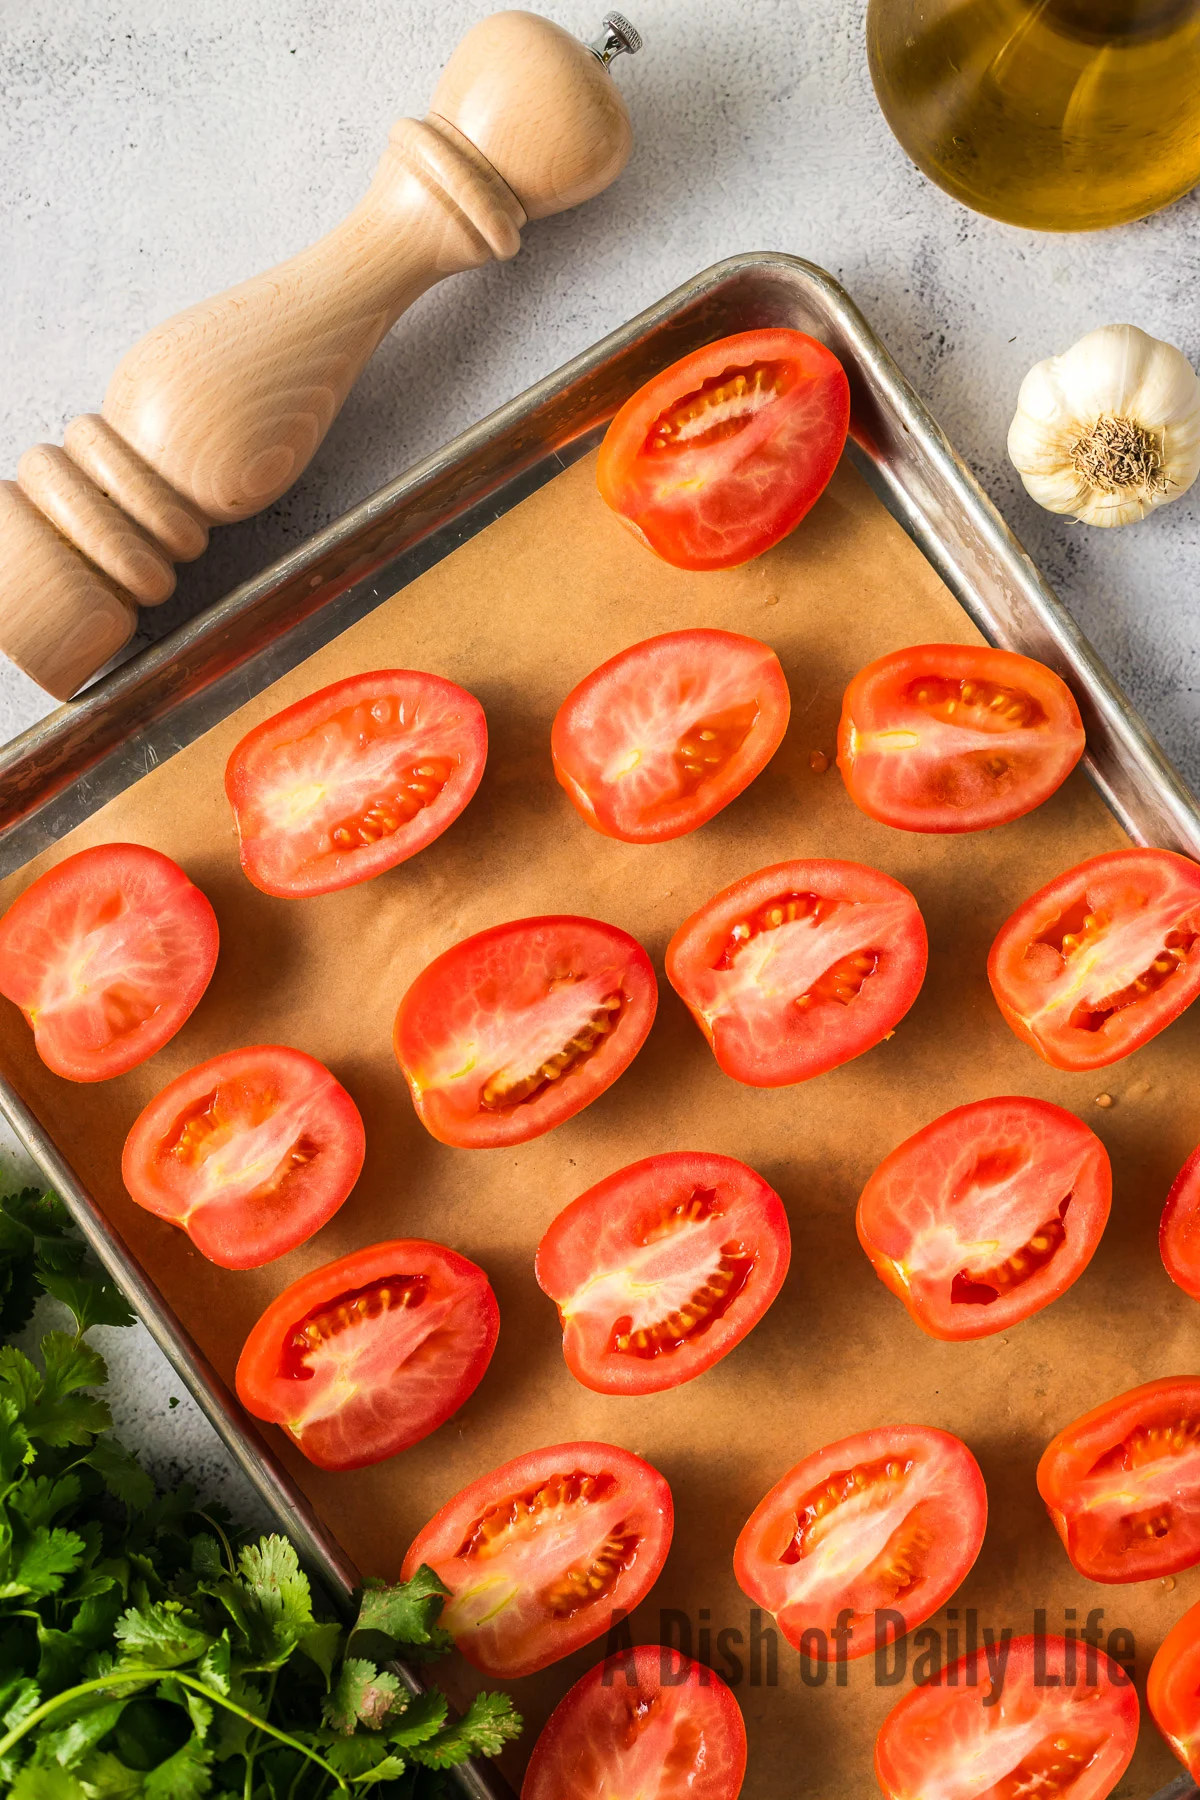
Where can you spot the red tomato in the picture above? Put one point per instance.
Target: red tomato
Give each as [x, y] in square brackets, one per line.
[1123, 1483]
[719, 456]
[370, 1354]
[542, 1552]
[956, 737]
[658, 739]
[987, 1214]
[1064, 1724]
[250, 1152]
[107, 954]
[1179, 1228]
[799, 967]
[659, 1270]
[648, 1722]
[1173, 1689]
[515, 1029]
[890, 1519]
[1096, 963]
[354, 779]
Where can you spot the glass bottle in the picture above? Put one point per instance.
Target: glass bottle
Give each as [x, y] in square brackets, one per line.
[1063, 115]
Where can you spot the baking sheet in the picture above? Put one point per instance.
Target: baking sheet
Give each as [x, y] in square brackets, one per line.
[518, 615]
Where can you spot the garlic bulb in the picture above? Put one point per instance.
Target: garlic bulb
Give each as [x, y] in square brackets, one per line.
[1110, 429]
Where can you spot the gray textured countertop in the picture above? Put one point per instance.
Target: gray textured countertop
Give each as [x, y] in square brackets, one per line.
[150, 156]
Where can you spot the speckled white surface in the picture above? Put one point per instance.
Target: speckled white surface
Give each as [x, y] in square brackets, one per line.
[150, 155]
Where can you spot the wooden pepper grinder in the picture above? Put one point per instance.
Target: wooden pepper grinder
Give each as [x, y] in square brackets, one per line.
[216, 413]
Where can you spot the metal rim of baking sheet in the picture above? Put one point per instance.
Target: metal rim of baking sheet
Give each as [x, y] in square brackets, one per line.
[61, 770]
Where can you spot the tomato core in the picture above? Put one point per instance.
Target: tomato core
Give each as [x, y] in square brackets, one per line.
[711, 1299]
[344, 1314]
[508, 1088]
[719, 408]
[985, 1286]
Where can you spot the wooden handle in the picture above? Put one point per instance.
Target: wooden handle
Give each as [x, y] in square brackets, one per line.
[214, 414]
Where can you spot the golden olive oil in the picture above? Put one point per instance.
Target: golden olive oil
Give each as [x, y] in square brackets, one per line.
[1063, 115]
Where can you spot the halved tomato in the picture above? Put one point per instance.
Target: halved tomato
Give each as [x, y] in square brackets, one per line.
[540, 1553]
[354, 779]
[889, 1520]
[799, 967]
[956, 737]
[1173, 1689]
[720, 455]
[515, 1029]
[1097, 962]
[1122, 1483]
[1063, 1721]
[371, 1353]
[987, 1214]
[647, 1722]
[1179, 1228]
[107, 954]
[659, 1270]
[250, 1153]
[658, 739]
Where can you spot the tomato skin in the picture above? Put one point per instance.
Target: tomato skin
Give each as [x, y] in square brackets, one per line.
[492, 1008]
[456, 1314]
[717, 503]
[1139, 900]
[947, 1499]
[597, 1237]
[632, 714]
[257, 1091]
[645, 1715]
[131, 914]
[356, 747]
[945, 779]
[946, 1740]
[996, 1170]
[1179, 1228]
[1131, 1435]
[757, 1032]
[523, 1635]
[1173, 1689]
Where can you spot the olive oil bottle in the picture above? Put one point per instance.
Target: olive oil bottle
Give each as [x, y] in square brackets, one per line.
[1063, 115]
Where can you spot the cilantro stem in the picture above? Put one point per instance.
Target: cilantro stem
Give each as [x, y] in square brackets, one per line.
[102, 1682]
[225, 1543]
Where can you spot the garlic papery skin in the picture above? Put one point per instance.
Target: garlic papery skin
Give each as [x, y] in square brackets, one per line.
[1110, 429]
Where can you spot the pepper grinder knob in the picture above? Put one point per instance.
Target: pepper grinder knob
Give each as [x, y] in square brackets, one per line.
[214, 414]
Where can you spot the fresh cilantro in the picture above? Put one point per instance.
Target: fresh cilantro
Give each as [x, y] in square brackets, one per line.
[148, 1649]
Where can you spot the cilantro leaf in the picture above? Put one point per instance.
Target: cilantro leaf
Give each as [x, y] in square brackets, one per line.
[322, 1644]
[40, 1566]
[184, 1776]
[91, 1294]
[422, 1718]
[46, 1783]
[362, 1695]
[107, 1778]
[41, 1498]
[406, 1612]
[56, 1412]
[487, 1725]
[276, 1598]
[161, 1635]
[94, 1720]
[14, 1441]
[121, 1473]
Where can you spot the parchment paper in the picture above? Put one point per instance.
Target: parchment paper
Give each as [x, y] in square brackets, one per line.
[519, 615]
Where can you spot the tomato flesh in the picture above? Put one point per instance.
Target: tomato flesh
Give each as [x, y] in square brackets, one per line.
[799, 967]
[1063, 1727]
[540, 1553]
[107, 954]
[648, 1722]
[661, 1269]
[1102, 958]
[956, 737]
[250, 1153]
[1179, 1228]
[514, 1030]
[368, 1355]
[1173, 1689]
[658, 739]
[986, 1215]
[354, 779]
[1122, 1484]
[722, 454]
[890, 1519]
